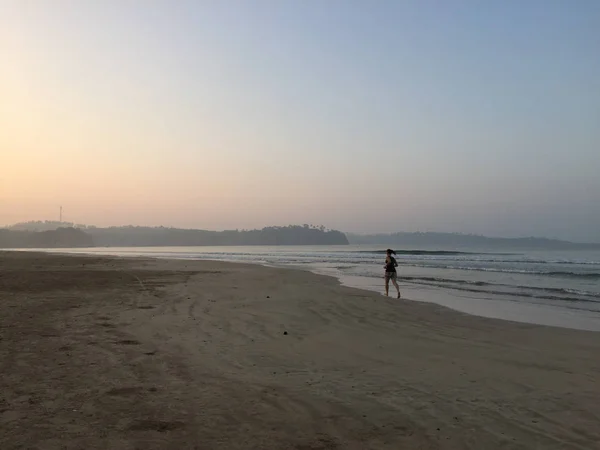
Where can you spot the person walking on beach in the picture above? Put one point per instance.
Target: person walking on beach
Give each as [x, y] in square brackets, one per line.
[390, 271]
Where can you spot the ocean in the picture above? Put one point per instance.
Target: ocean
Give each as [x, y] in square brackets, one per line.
[557, 288]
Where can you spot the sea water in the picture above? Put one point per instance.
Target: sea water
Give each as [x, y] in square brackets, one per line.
[559, 288]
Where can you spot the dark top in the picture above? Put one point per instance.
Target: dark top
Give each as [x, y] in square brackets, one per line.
[391, 265]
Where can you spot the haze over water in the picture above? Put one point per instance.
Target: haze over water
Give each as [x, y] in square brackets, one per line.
[473, 117]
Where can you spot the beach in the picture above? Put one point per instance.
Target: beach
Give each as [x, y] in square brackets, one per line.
[100, 352]
[543, 287]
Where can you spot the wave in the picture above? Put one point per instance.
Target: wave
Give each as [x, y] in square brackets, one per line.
[483, 284]
[446, 280]
[558, 274]
[524, 261]
[590, 275]
[427, 252]
[542, 294]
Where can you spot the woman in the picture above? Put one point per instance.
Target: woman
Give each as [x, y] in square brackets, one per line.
[390, 271]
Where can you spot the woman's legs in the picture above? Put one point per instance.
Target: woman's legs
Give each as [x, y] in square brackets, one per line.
[396, 286]
[387, 285]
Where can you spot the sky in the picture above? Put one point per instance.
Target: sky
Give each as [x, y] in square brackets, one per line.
[461, 116]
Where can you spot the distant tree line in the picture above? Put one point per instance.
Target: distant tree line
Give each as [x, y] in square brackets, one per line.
[134, 236]
[150, 236]
[58, 238]
[60, 234]
[46, 225]
[458, 240]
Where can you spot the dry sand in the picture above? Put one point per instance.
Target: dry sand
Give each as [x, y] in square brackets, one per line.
[105, 353]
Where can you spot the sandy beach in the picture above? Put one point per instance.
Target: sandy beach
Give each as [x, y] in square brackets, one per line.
[108, 353]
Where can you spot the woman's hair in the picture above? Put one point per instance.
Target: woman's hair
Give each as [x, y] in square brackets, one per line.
[389, 251]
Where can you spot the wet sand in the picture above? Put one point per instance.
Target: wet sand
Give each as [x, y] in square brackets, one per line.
[108, 353]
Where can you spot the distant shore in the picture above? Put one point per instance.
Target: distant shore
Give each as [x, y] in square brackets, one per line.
[52, 234]
[104, 352]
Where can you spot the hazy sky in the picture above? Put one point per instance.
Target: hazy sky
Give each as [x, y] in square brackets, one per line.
[469, 116]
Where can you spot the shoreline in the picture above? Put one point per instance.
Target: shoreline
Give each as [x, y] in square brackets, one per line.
[344, 282]
[123, 353]
[514, 312]
[476, 304]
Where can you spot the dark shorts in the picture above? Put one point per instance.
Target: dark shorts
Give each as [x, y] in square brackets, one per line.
[390, 275]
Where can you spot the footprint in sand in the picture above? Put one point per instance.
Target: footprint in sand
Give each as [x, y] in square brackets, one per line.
[125, 391]
[155, 425]
[128, 342]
